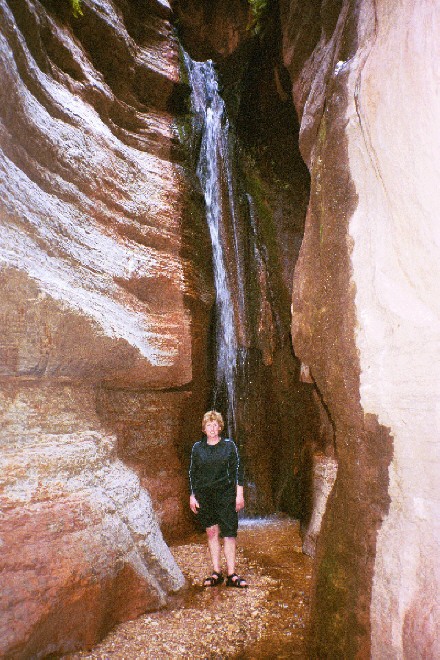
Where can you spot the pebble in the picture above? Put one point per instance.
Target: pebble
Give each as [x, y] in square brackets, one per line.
[267, 620]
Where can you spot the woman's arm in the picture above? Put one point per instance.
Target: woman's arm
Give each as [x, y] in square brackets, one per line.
[239, 500]
[193, 469]
[193, 503]
[237, 469]
[235, 464]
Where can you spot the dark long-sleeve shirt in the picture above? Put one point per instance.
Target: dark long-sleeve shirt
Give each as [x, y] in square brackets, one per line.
[214, 466]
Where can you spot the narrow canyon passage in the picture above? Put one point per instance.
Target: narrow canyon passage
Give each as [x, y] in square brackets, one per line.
[325, 119]
[268, 620]
[239, 135]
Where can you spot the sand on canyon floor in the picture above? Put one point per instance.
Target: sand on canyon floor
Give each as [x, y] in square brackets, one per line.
[267, 620]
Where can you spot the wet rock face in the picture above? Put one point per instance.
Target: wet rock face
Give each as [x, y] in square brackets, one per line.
[104, 299]
[212, 29]
[274, 413]
[363, 310]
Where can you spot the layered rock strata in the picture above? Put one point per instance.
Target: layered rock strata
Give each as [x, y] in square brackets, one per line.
[105, 307]
[105, 299]
[81, 547]
[365, 314]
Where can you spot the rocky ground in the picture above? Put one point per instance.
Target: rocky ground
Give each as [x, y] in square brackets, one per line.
[267, 620]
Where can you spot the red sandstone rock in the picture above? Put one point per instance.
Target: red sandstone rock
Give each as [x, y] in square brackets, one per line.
[365, 300]
[324, 474]
[102, 288]
[212, 29]
[81, 548]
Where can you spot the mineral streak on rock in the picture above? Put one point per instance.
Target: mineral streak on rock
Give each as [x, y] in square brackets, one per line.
[101, 289]
[365, 314]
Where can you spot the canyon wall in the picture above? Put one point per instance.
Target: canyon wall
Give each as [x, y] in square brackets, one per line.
[105, 305]
[276, 419]
[365, 314]
[106, 298]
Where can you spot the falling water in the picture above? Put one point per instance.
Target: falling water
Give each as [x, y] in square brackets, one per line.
[214, 159]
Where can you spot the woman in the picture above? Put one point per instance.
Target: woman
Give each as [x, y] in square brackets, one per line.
[216, 480]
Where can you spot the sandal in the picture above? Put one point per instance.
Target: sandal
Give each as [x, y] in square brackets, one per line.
[214, 579]
[238, 582]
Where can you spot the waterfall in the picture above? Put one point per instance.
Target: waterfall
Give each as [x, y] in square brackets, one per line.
[214, 172]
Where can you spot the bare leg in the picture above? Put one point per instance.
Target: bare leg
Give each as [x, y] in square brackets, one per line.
[214, 546]
[229, 546]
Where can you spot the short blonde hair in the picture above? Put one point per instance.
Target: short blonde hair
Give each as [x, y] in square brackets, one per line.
[212, 416]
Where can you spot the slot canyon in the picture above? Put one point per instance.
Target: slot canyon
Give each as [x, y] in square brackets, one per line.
[282, 268]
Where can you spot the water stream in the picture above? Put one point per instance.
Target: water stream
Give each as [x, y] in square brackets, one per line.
[214, 170]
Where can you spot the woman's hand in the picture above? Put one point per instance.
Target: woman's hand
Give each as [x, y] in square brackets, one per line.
[193, 504]
[239, 500]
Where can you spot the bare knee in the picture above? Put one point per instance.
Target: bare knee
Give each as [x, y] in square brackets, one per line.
[212, 532]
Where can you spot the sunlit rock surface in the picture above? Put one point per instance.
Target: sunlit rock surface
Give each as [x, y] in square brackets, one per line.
[323, 474]
[105, 297]
[365, 314]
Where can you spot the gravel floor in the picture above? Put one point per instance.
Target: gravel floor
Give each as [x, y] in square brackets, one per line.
[267, 620]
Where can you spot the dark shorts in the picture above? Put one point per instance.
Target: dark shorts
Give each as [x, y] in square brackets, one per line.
[217, 507]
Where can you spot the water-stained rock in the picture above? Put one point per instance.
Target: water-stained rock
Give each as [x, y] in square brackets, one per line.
[212, 29]
[263, 215]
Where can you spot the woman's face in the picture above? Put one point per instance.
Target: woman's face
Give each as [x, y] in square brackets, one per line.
[212, 429]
